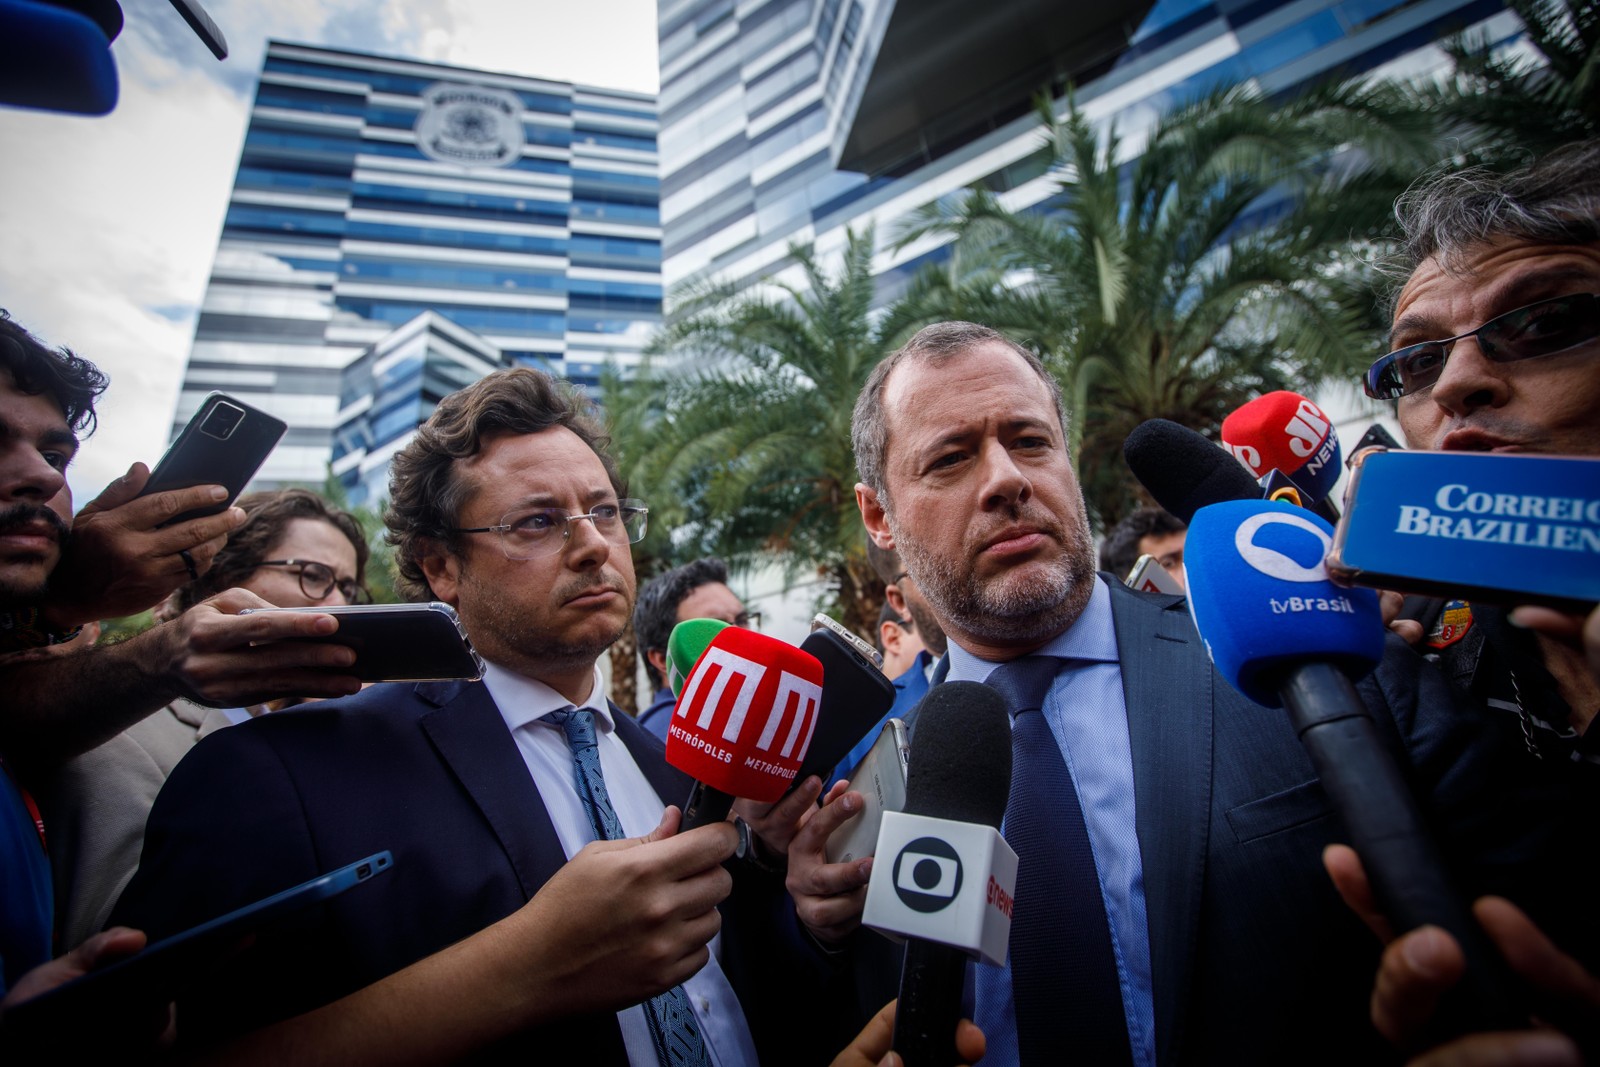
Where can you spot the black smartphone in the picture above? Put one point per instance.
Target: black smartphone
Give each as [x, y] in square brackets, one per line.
[1375, 437]
[224, 444]
[399, 642]
[154, 976]
[856, 695]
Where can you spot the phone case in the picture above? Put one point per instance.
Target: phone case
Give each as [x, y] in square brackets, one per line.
[855, 698]
[224, 444]
[161, 970]
[401, 642]
[1149, 576]
[881, 781]
[1464, 525]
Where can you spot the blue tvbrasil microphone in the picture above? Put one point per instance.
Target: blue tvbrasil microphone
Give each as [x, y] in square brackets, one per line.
[1283, 634]
[943, 877]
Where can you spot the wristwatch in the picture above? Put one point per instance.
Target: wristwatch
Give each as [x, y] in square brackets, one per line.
[753, 852]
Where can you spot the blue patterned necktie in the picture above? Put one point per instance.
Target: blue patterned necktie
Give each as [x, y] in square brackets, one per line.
[672, 1023]
[1064, 980]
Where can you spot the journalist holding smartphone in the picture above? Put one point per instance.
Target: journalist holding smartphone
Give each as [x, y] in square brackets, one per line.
[292, 550]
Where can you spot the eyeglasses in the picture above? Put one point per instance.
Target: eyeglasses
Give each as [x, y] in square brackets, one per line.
[317, 580]
[1542, 329]
[748, 620]
[530, 533]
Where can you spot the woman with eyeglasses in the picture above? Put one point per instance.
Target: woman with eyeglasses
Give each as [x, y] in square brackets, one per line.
[293, 550]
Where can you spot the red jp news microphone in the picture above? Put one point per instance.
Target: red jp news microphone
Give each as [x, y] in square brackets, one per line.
[743, 722]
[1286, 433]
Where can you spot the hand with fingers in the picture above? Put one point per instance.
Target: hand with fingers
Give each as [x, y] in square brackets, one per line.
[150, 1022]
[623, 921]
[1420, 967]
[775, 825]
[213, 655]
[871, 1047]
[120, 559]
[828, 897]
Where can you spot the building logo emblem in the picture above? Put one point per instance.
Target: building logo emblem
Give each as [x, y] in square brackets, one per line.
[470, 125]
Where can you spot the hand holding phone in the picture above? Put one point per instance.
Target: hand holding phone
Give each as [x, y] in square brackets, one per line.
[881, 781]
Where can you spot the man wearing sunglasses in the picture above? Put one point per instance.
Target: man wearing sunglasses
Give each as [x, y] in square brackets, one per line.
[527, 784]
[1495, 347]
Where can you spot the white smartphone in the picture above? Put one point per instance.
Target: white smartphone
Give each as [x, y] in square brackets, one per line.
[881, 781]
[1149, 576]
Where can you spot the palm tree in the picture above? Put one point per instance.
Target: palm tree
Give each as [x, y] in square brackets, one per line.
[1182, 283]
[749, 428]
[1508, 108]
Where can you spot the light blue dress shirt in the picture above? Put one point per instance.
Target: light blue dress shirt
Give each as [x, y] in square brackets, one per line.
[1088, 715]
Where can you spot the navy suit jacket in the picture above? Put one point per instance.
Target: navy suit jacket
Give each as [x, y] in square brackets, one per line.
[1254, 957]
[431, 773]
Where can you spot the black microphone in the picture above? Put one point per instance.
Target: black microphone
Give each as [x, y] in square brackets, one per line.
[943, 851]
[1182, 470]
[1282, 634]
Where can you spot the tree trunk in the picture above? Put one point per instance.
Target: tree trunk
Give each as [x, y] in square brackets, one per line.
[625, 672]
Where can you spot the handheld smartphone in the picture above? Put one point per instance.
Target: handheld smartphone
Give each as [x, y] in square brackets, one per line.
[224, 444]
[1149, 576]
[881, 781]
[155, 975]
[1375, 437]
[855, 695]
[399, 642]
[1506, 529]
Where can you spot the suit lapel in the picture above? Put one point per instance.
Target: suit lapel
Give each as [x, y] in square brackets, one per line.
[470, 736]
[1167, 687]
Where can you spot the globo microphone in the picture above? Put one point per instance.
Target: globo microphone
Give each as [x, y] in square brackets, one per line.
[1283, 634]
[1284, 431]
[944, 878]
[743, 723]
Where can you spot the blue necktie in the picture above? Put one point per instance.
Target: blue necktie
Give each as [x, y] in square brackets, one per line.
[672, 1023]
[1064, 980]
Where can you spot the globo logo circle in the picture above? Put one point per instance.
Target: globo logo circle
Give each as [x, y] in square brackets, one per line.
[1270, 561]
[927, 874]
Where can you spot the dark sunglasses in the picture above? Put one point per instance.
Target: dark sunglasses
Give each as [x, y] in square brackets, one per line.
[1542, 329]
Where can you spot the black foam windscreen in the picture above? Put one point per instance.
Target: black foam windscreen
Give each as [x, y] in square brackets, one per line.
[1183, 470]
[960, 759]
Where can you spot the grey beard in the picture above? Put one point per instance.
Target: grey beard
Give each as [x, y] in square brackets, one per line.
[999, 611]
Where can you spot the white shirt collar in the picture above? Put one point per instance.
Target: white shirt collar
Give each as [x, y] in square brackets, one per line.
[523, 700]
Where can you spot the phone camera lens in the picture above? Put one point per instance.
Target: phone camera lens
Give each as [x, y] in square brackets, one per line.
[222, 421]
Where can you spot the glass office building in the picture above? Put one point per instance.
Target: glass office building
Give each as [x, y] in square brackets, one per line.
[786, 121]
[371, 190]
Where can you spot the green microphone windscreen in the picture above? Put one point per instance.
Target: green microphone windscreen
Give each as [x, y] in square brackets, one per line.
[689, 639]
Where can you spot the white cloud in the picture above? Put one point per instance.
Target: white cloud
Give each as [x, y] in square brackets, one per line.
[111, 223]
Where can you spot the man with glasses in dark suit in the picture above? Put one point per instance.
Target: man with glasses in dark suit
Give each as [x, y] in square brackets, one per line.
[541, 904]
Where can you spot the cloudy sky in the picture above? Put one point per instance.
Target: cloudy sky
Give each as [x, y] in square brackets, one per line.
[110, 224]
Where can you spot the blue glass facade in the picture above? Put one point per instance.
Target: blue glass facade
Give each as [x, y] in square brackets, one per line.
[762, 106]
[366, 197]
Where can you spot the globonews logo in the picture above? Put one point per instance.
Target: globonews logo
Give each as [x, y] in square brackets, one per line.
[927, 874]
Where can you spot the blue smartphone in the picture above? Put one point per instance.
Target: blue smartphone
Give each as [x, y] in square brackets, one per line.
[151, 977]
